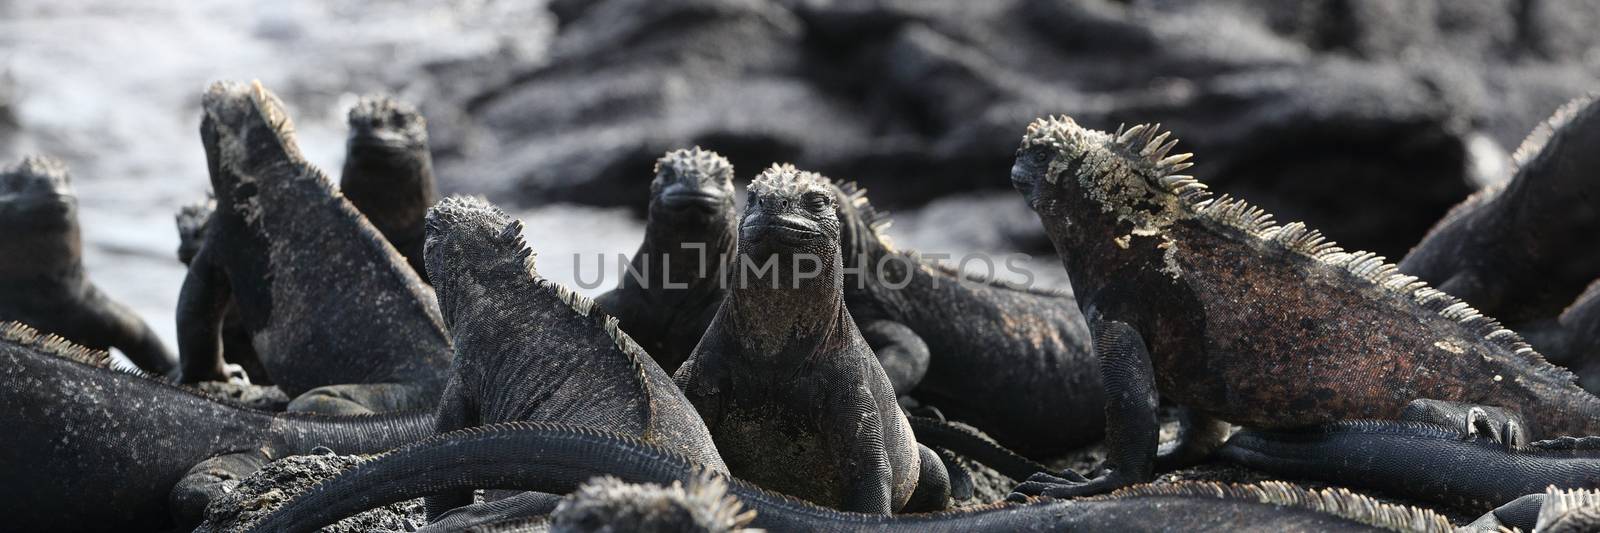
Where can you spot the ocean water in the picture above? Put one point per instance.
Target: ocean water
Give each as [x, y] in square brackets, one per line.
[113, 88]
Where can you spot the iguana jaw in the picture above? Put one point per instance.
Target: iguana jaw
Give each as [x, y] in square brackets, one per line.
[386, 123]
[694, 184]
[37, 193]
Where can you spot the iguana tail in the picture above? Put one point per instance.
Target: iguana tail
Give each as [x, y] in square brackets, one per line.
[975, 446]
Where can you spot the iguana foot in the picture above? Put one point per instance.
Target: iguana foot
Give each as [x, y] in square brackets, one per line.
[236, 374]
[1067, 484]
[1473, 421]
[362, 398]
[207, 481]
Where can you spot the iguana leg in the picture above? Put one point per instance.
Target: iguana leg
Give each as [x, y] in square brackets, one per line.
[903, 354]
[204, 295]
[1198, 436]
[962, 487]
[870, 475]
[207, 481]
[1471, 420]
[454, 413]
[933, 484]
[1132, 431]
[362, 398]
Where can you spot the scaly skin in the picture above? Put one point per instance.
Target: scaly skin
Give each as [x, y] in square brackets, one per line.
[558, 459]
[790, 390]
[42, 282]
[388, 172]
[1260, 325]
[528, 349]
[688, 246]
[1420, 461]
[326, 299]
[983, 336]
[92, 448]
[1524, 249]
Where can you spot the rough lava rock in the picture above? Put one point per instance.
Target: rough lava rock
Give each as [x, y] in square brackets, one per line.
[1365, 118]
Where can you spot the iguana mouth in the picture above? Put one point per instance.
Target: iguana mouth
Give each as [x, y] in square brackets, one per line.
[378, 138]
[684, 197]
[784, 228]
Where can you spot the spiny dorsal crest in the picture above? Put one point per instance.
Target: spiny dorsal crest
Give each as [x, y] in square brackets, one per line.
[474, 214]
[1564, 511]
[695, 164]
[24, 335]
[783, 179]
[705, 503]
[1540, 137]
[1141, 149]
[384, 111]
[234, 106]
[1334, 501]
[856, 197]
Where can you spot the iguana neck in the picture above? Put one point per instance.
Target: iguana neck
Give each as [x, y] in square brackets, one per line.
[784, 331]
[391, 186]
[43, 251]
[683, 262]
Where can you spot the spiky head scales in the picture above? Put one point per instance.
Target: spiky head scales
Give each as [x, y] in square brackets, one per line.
[38, 173]
[784, 180]
[467, 233]
[694, 165]
[384, 112]
[247, 118]
[609, 504]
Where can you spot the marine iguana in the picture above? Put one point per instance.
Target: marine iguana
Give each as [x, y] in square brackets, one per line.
[558, 458]
[1574, 337]
[688, 245]
[42, 281]
[1421, 461]
[93, 447]
[793, 395]
[986, 335]
[1249, 322]
[388, 172]
[1523, 249]
[327, 301]
[528, 348]
[192, 221]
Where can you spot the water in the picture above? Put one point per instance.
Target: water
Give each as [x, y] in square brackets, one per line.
[113, 88]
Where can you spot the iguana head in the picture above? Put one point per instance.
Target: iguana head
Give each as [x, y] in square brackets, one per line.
[471, 243]
[38, 219]
[246, 133]
[383, 122]
[693, 184]
[789, 211]
[1126, 175]
[191, 220]
[36, 191]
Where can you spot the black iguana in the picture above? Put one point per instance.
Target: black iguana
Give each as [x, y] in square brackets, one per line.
[91, 447]
[675, 282]
[985, 336]
[1263, 325]
[388, 172]
[327, 301]
[42, 281]
[790, 390]
[530, 349]
[1522, 249]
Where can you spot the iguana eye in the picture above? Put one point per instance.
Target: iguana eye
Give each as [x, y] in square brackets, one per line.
[817, 202]
[1040, 156]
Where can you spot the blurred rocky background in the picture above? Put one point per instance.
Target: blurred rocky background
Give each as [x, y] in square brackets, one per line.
[1366, 118]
